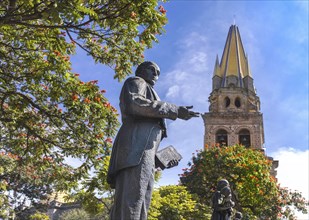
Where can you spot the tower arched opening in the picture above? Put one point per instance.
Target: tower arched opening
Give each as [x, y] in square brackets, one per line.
[227, 102]
[221, 137]
[244, 137]
[237, 102]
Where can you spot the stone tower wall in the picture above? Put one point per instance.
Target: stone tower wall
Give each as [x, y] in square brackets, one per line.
[233, 123]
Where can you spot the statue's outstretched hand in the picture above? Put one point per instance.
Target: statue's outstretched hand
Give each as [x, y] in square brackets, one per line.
[185, 114]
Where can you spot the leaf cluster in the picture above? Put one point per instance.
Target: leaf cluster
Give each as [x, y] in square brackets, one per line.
[74, 214]
[39, 216]
[174, 202]
[48, 116]
[114, 33]
[255, 191]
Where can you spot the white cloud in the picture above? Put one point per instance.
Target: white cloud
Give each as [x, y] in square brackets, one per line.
[177, 75]
[173, 92]
[293, 171]
[198, 61]
[193, 40]
[189, 80]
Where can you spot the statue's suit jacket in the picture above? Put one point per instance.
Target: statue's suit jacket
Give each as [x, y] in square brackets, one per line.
[143, 117]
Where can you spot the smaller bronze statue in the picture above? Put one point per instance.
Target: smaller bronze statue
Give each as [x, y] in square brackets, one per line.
[222, 201]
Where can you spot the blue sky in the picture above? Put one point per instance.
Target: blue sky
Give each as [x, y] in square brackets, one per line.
[275, 37]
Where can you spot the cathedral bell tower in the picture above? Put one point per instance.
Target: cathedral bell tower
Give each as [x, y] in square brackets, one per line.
[234, 115]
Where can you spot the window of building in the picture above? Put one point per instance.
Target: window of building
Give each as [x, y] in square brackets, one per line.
[227, 102]
[244, 137]
[237, 102]
[221, 137]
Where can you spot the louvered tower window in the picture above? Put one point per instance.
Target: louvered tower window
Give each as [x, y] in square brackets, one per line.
[221, 137]
[244, 137]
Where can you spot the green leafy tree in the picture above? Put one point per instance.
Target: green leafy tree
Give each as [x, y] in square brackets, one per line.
[289, 200]
[6, 166]
[74, 214]
[174, 202]
[47, 114]
[39, 216]
[98, 206]
[255, 191]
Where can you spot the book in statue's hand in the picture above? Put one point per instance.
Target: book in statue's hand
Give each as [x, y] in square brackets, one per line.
[167, 157]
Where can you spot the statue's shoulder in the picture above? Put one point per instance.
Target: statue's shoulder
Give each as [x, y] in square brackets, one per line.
[135, 80]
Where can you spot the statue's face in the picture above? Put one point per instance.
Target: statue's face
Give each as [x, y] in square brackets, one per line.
[151, 74]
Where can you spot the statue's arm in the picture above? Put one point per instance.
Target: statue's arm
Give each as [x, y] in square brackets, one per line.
[136, 103]
[220, 206]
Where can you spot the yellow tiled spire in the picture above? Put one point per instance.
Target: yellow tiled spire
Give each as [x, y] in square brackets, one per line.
[234, 61]
[217, 67]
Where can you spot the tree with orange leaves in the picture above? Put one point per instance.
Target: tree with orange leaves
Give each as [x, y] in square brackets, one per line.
[255, 192]
[47, 114]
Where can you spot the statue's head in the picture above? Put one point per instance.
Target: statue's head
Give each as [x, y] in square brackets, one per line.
[226, 191]
[222, 183]
[149, 71]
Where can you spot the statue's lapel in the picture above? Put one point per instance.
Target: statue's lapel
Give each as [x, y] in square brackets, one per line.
[155, 95]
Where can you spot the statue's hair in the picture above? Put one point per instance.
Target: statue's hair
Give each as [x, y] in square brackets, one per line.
[222, 183]
[140, 69]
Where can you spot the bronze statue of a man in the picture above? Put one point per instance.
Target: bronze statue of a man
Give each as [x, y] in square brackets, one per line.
[132, 163]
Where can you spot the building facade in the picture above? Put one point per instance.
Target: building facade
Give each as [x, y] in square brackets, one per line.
[234, 115]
